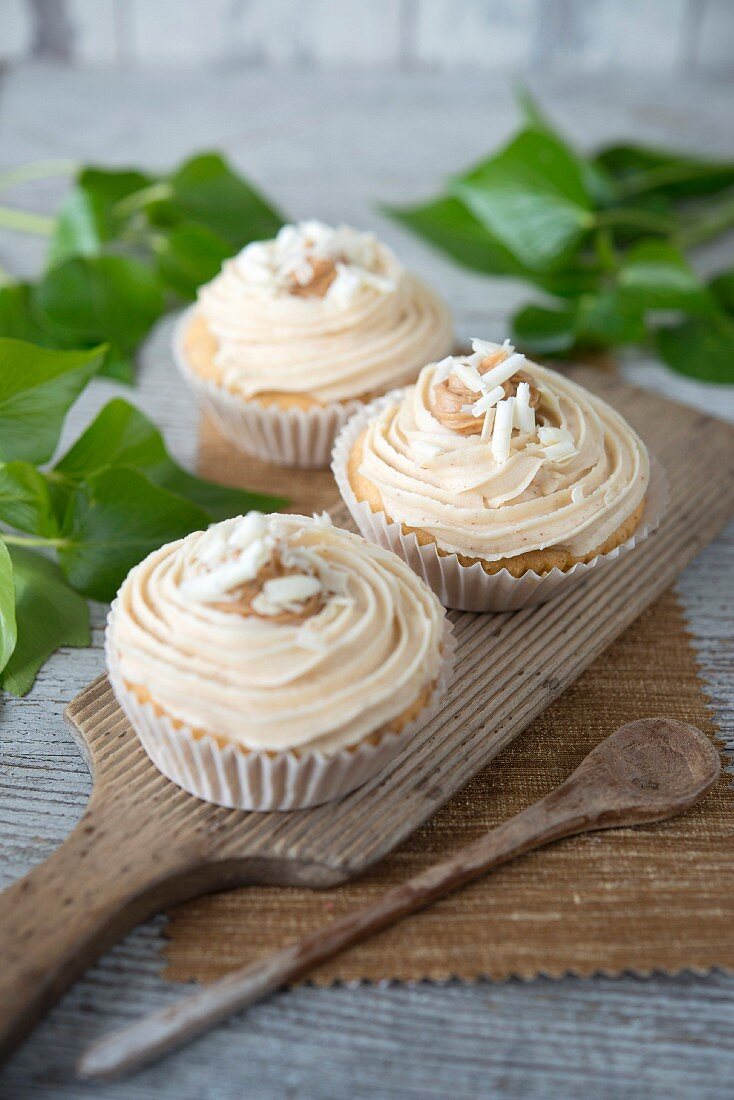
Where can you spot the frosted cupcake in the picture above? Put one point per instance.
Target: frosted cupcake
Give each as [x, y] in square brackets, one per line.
[493, 470]
[296, 333]
[275, 662]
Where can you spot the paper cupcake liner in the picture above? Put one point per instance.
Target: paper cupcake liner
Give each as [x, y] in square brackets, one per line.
[252, 780]
[286, 437]
[469, 587]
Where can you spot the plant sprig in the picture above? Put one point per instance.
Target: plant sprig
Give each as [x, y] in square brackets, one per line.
[125, 246]
[71, 526]
[606, 239]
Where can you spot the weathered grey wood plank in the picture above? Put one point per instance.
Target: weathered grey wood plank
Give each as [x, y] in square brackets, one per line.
[589, 36]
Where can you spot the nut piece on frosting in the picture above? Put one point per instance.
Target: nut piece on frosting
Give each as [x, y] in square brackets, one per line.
[489, 394]
[245, 566]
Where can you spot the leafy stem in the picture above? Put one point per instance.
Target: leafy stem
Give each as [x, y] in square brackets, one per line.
[703, 229]
[138, 200]
[622, 217]
[32, 540]
[657, 178]
[38, 170]
[23, 221]
[604, 249]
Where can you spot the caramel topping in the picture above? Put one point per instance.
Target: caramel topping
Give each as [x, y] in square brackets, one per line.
[324, 273]
[245, 594]
[448, 398]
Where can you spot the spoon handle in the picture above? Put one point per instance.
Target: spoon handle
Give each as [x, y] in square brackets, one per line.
[163, 1031]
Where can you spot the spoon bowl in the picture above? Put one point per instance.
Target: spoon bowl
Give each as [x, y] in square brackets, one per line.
[645, 771]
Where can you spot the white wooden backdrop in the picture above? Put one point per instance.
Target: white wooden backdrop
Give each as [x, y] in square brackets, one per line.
[667, 36]
[331, 145]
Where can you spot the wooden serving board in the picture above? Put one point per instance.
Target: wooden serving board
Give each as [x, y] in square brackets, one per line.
[144, 844]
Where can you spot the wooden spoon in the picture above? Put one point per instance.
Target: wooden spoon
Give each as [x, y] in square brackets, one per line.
[646, 771]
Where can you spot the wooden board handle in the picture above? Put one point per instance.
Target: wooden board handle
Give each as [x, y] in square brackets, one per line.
[69, 909]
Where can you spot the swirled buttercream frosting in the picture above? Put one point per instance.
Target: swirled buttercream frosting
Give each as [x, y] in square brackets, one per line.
[327, 312]
[277, 633]
[494, 456]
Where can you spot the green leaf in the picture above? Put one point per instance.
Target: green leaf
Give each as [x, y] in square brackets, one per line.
[640, 169]
[537, 329]
[90, 299]
[122, 435]
[37, 387]
[533, 197]
[722, 288]
[114, 520]
[110, 186]
[655, 275]
[119, 435]
[533, 114]
[608, 318]
[49, 614]
[8, 627]
[207, 190]
[25, 499]
[82, 227]
[89, 218]
[600, 319]
[19, 316]
[701, 347]
[448, 225]
[599, 183]
[218, 501]
[190, 255]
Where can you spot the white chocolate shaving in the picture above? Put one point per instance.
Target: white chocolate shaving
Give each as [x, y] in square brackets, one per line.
[487, 400]
[213, 586]
[549, 436]
[289, 590]
[285, 594]
[252, 526]
[577, 494]
[488, 347]
[495, 376]
[524, 413]
[470, 377]
[213, 546]
[559, 452]
[502, 433]
[557, 444]
[443, 368]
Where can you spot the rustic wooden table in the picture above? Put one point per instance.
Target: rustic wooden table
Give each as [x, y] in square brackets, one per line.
[330, 146]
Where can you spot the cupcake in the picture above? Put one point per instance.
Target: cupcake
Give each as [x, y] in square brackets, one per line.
[275, 662]
[296, 333]
[495, 478]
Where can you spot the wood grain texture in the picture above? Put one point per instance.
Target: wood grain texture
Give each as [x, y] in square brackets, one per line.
[144, 843]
